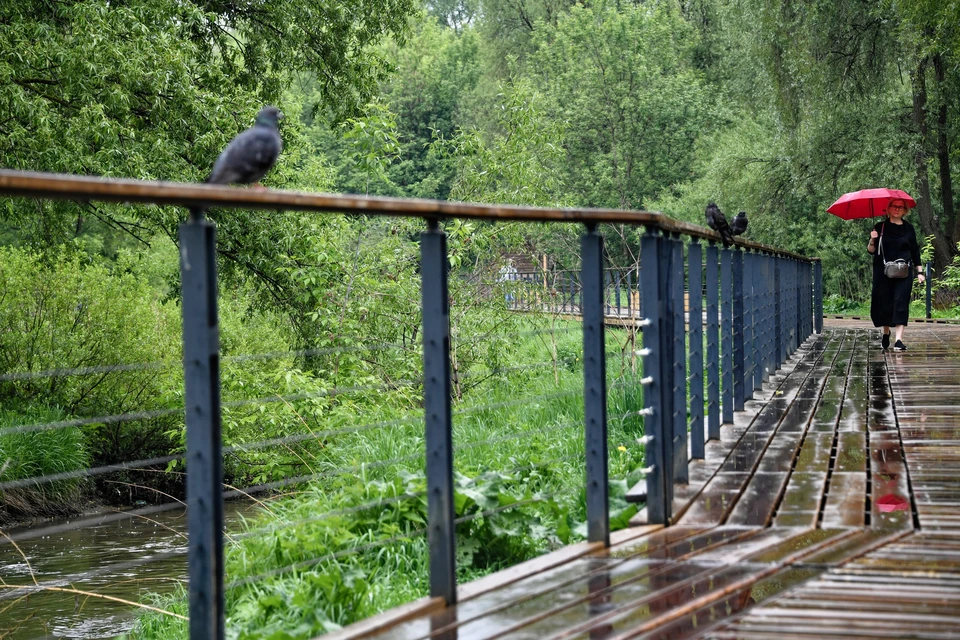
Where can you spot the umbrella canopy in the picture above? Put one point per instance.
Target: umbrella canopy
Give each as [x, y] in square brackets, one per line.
[868, 203]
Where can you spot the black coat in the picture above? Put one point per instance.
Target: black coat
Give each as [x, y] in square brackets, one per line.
[890, 298]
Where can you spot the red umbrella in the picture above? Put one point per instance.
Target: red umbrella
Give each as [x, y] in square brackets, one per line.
[868, 203]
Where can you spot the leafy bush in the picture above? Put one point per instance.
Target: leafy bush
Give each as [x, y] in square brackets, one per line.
[67, 311]
[835, 303]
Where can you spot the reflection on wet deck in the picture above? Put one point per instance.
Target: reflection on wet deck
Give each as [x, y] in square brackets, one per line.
[832, 510]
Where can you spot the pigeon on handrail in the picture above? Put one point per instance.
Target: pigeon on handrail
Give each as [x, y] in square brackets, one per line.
[249, 156]
[718, 222]
[739, 224]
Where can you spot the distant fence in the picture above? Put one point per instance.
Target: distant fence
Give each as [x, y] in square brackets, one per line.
[759, 305]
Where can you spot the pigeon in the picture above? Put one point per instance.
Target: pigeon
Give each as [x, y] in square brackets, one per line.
[250, 155]
[739, 224]
[718, 222]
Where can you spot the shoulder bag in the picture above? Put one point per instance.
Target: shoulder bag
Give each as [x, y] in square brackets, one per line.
[894, 268]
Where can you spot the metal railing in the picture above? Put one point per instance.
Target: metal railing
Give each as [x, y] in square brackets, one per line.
[759, 305]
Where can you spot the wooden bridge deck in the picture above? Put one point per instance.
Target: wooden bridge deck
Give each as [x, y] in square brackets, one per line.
[830, 511]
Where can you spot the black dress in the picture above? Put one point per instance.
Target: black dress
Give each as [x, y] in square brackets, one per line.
[890, 298]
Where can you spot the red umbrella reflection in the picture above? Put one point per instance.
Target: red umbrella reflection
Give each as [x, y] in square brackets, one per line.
[892, 502]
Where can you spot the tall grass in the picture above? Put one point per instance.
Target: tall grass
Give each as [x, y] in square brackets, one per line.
[36, 454]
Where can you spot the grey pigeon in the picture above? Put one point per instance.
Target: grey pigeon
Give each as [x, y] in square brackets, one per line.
[718, 222]
[739, 224]
[250, 155]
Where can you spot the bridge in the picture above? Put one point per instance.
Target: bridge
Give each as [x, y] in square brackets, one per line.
[797, 482]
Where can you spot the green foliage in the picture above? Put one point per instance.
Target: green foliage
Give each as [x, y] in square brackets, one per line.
[374, 142]
[155, 90]
[950, 278]
[519, 163]
[622, 82]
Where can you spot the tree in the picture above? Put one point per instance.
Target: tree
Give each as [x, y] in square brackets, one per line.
[623, 84]
[155, 90]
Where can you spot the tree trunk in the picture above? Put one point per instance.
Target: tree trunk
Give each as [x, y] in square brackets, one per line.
[951, 222]
[928, 225]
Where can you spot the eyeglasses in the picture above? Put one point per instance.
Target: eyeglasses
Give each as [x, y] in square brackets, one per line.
[897, 206]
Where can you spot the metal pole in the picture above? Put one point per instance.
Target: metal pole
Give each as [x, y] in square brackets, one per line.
[676, 310]
[765, 316]
[818, 288]
[436, 408]
[594, 386]
[739, 378]
[657, 396]
[779, 342]
[926, 276]
[771, 319]
[726, 331]
[749, 323]
[713, 343]
[201, 369]
[799, 289]
[695, 323]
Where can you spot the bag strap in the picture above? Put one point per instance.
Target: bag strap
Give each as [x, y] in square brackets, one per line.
[880, 242]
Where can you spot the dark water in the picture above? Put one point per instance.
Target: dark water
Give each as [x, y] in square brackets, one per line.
[125, 558]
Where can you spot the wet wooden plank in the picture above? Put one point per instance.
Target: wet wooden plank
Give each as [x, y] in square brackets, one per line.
[846, 503]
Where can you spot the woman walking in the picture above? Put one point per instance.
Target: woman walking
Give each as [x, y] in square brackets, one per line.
[893, 239]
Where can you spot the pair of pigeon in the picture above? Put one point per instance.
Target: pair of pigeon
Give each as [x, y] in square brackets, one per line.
[718, 222]
[250, 155]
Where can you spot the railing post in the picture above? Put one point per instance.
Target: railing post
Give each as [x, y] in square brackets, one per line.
[750, 323]
[437, 416]
[778, 307]
[594, 385]
[201, 369]
[726, 331]
[713, 343]
[926, 275]
[799, 307]
[657, 395]
[790, 299]
[739, 377]
[771, 357]
[695, 323]
[818, 289]
[675, 309]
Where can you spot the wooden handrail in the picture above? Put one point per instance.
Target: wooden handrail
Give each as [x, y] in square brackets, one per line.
[71, 187]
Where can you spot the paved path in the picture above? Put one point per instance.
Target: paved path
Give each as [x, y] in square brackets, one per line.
[831, 511]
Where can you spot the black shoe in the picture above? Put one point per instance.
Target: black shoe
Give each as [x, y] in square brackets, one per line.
[885, 341]
[899, 346]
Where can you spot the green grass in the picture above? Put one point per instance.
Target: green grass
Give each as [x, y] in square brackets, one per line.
[519, 467]
[35, 454]
[835, 305]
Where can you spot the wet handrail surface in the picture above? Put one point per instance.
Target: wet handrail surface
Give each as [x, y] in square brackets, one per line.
[70, 187]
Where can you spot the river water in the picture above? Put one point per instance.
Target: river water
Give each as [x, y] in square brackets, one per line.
[124, 558]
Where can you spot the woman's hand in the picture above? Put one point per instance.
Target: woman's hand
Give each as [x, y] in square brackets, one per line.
[874, 235]
[921, 278]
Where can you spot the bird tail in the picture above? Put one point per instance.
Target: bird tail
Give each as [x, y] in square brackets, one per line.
[725, 234]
